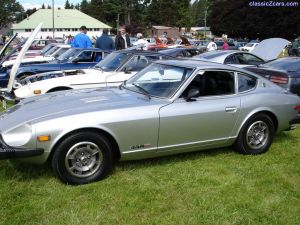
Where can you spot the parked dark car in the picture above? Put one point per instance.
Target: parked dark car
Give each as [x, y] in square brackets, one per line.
[74, 58]
[181, 52]
[284, 71]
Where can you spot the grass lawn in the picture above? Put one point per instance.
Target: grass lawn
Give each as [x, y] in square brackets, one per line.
[209, 187]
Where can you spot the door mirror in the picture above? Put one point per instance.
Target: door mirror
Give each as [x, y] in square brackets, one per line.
[191, 94]
[128, 69]
[76, 60]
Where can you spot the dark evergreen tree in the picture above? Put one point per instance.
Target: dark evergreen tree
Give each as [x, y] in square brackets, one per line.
[238, 19]
[67, 5]
[10, 11]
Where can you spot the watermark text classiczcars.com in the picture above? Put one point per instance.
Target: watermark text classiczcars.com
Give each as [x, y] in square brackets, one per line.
[273, 4]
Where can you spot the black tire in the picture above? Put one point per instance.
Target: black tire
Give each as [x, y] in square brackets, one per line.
[82, 158]
[256, 135]
[58, 89]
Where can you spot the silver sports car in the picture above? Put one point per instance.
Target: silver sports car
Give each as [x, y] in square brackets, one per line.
[169, 107]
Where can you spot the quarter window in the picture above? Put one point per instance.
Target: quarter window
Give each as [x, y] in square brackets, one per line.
[246, 82]
[249, 59]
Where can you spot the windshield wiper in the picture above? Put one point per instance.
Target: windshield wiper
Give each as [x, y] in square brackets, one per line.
[98, 68]
[142, 89]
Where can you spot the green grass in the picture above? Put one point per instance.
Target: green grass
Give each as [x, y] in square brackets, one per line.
[209, 187]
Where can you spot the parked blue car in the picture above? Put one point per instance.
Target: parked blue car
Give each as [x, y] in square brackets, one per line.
[74, 58]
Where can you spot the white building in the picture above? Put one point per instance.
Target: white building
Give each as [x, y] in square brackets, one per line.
[66, 22]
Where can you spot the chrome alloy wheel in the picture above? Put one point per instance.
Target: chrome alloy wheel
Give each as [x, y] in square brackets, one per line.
[257, 135]
[83, 159]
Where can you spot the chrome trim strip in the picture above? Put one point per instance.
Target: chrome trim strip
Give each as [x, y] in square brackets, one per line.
[171, 146]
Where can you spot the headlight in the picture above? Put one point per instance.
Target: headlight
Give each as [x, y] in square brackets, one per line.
[18, 136]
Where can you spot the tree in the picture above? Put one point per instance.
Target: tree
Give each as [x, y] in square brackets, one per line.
[43, 6]
[10, 11]
[84, 6]
[67, 5]
[238, 19]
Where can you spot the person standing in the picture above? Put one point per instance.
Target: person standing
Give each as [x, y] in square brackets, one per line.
[141, 41]
[81, 40]
[122, 39]
[295, 47]
[104, 42]
[211, 46]
[225, 46]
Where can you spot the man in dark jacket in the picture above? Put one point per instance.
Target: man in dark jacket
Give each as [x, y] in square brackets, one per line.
[122, 39]
[105, 42]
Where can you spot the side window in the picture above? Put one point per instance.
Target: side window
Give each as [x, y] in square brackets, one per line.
[231, 59]
[246, 82]
[98, 56]
[250, 59]
[85, 56]
[212, 83]
[137, 63]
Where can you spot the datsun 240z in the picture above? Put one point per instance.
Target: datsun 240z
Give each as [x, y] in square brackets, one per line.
[169, 107]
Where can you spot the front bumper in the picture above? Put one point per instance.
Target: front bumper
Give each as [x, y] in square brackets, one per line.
[9, 152]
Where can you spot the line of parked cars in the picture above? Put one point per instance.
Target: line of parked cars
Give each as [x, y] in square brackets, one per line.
[139, 104]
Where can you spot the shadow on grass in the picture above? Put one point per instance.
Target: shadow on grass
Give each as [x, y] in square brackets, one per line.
[285, 136]
[25, 172]
[181, 157]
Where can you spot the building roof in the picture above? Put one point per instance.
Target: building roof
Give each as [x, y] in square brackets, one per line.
[63, 18]
[163, 28]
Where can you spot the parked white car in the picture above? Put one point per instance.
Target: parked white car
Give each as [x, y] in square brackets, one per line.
[50, 55]
[248, 47]
[111, 71]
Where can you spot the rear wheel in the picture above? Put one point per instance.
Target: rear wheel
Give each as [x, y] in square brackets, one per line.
[82, 158]
[256, 135]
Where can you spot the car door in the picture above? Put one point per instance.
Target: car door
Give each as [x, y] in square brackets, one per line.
[207, 119]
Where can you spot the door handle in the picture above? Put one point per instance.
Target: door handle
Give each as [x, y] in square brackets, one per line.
[231, 109]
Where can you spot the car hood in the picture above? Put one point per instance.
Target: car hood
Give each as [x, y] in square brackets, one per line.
[68, 103]
[270, 49]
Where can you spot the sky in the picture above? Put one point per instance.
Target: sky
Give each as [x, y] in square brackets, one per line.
[29, 4]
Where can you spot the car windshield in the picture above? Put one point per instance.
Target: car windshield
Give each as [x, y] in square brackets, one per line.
[159, 80]
[249, 45]
[61, 51]
[113, 61]
[52, 50]
[47, 48]
[70, 54]
[288, 64]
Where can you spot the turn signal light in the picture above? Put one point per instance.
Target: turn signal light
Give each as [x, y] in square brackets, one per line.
[37, 92]
[43, 138]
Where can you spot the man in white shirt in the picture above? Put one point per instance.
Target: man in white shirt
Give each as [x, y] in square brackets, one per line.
[211, 46]
[141, 41]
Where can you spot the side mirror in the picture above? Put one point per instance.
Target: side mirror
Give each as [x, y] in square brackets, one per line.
[128, 70]
[191, 94]
[76, 60]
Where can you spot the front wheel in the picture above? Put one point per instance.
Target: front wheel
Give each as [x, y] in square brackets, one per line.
[256, 135]
[82, 158]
